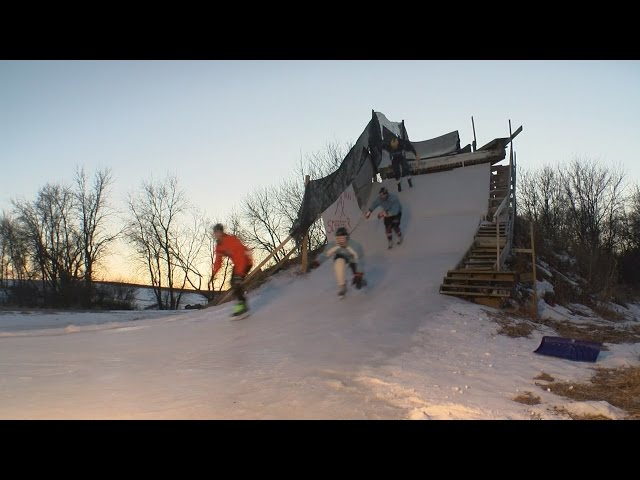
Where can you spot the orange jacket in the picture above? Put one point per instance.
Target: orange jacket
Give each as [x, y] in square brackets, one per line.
[230, 246]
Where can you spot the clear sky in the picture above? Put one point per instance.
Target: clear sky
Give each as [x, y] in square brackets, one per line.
[227, 127]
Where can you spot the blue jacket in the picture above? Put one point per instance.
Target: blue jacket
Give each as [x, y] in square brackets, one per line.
[352, 253]
[391, 205]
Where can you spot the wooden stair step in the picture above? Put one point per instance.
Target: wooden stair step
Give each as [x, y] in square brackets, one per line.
[450, 286]
[456, 280]
[480, 276]
[476, 294]
[497, 272]
[489, 274]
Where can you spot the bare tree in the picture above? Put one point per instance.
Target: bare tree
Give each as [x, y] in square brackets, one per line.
[15, 277]
[13, 252]
[595, 197]
[634, 219]
[324, 162]
[594, 194]
[629, 259]
[154, 229]
[190, 251]
[54, 241]
[93, 212]
[541, 196]
[146, 248]
[266, 226]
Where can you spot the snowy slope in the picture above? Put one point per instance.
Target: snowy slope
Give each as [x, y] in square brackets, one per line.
[396, 350]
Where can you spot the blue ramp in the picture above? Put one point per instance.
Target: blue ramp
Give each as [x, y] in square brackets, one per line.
[578, 350]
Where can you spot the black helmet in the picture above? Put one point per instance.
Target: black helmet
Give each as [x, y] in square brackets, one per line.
[218, 228]
[342, 232]
[383, 191]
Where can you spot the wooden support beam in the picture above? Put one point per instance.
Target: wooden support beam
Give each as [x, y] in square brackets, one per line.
[305, 240]
[535, 287]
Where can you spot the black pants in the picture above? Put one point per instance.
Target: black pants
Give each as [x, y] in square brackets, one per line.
[397, 162]
[238, 287]
[392, 223]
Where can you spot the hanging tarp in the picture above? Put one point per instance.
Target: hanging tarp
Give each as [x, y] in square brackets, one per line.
[446, 144]
[360, 167]
[357, 169]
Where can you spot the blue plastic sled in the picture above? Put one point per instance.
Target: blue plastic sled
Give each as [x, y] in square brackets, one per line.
[578, 350]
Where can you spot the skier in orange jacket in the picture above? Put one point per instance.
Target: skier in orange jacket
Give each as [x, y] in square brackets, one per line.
[230, 246]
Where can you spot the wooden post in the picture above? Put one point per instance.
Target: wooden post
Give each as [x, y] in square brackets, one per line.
[535, 287]
[473, 125]
[515, 176]
[511, 193]
[497, 244]
[305, 240]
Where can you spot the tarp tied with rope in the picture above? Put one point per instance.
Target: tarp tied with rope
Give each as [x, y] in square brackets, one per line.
[358, 168]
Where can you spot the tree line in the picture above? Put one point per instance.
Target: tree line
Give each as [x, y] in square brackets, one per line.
[586, 210]
[52, 246]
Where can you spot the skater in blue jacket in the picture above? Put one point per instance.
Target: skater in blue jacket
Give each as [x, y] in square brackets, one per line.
[345, 252]
[392, 213]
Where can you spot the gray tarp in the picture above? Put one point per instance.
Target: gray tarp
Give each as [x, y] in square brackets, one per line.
[358, 167]
[443, 145]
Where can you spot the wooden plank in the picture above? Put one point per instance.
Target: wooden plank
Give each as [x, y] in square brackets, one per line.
[459, 286]
[489, 242]
[487, 283]
[473, 125]
[535, 289]
[462, 158]
[491, 274]
[479, 279]
[526, 277]
[523, 250]
[477, 294]
[500, 273]
[489, 302]
[305, 240]
[515, 134]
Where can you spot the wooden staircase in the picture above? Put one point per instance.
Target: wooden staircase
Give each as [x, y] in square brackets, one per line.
[477, 277]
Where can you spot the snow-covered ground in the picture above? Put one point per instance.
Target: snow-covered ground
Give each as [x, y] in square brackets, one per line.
[395, 350]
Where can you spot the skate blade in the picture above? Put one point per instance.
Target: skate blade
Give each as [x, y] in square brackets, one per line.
[240, 317]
